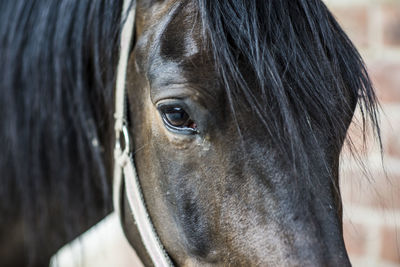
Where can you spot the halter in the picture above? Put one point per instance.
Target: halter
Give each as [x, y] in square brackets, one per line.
[124, 166]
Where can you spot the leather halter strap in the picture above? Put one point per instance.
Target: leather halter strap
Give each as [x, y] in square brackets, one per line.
[124, 166]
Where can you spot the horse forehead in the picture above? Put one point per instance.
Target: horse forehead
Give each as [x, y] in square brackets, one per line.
[180, 37]
[172, 51]
[170, 29]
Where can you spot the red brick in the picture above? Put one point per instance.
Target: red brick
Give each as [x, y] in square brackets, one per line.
[354, 238]
[375, 190]
[390, 247]
[354, 20]
[362, 144]
[391, 24]
[386, 79]
[391, 132]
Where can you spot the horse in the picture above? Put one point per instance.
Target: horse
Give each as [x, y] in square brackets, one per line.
[234, 116]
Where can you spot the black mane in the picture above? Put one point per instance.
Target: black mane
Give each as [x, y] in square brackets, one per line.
[56, 79]
[306, 69]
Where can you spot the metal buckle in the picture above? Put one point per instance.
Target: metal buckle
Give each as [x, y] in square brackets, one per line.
[123, 148]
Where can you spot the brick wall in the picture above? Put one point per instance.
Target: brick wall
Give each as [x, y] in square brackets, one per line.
[372, 199]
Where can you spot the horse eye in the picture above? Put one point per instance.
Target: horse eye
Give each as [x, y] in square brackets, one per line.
[177, 119]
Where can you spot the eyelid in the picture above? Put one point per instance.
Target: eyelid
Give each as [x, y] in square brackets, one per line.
[176, 101]
[170, 94]
[165, 106]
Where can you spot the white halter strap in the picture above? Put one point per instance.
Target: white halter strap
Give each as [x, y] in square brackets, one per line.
[123, 159]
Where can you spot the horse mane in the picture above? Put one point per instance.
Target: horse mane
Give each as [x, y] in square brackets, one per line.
[58, 60]
[308, 73]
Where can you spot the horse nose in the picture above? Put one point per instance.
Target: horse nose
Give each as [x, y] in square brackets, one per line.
[317, 254]
[300, 244]
[325, 256]
[320, 242]
[311, 236]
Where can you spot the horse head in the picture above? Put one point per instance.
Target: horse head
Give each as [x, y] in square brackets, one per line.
[238, 111]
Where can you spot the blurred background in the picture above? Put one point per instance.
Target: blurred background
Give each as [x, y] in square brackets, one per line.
[372, 197]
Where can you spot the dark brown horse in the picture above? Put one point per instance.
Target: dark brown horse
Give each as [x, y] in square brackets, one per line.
[237, 112]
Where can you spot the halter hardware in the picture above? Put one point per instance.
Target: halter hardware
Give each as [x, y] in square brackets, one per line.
[122, 146]
[124, 166]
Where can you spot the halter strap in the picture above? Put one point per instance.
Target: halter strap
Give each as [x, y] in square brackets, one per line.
[123, 159]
